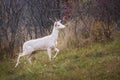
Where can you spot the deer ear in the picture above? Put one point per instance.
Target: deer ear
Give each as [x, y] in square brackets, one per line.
[60, 21]
[55, 24]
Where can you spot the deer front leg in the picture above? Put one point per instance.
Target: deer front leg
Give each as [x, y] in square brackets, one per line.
[49, 53]
[56, 50]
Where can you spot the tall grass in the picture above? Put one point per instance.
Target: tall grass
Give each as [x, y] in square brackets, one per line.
[96, 62]
[68, 38]
[83, 34]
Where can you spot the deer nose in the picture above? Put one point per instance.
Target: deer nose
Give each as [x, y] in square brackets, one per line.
[64, 26]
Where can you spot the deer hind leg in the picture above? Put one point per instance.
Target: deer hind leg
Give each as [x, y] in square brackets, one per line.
[49, 53]
[25, 52]
[56, 50]
[18, 60]
[30, 57]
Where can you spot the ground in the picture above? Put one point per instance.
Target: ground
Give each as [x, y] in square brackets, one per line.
[95, 62]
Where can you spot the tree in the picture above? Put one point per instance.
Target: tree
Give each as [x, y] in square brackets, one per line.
[23, 20]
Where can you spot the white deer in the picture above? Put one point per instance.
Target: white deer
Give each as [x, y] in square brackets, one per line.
[47, 43]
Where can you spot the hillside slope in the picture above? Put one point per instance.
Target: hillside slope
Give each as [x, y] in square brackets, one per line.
[96, 62]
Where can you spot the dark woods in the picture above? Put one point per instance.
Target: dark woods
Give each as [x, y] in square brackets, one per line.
[21, 20]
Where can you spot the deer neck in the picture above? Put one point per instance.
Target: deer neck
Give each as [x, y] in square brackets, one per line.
[55, 34]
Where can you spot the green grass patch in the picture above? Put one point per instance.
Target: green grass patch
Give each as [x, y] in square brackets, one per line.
[96, 62]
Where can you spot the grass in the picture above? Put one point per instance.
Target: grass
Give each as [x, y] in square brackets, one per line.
[96, 62]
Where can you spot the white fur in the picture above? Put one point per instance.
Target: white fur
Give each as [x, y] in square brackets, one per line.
[46, 43]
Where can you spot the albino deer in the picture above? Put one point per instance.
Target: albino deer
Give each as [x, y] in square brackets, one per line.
[46, 43]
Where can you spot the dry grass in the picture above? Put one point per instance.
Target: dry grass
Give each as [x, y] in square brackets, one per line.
[96, 62]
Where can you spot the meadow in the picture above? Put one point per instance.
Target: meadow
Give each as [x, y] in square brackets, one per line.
[94, 62]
